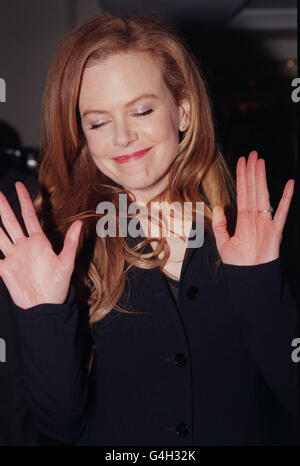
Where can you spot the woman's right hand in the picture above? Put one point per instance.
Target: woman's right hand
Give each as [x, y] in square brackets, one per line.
[31, 271]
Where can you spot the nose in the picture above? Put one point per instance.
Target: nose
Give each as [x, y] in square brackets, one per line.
[124, 133]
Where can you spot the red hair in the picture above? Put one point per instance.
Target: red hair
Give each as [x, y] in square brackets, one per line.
[71, 185]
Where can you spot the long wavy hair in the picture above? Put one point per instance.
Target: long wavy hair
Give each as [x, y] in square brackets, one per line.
[71, 185]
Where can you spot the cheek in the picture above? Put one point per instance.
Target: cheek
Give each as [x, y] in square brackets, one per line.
[163, 129]
[96, 144]
[99, 150]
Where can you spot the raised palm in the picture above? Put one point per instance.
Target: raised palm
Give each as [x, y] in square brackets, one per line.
[32, 272]
[257, 236]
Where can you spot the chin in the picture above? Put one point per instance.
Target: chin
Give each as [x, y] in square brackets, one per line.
[137, 184]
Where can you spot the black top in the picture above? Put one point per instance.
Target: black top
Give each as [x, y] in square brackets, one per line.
[174, 286]
[16, 427]
[213, 368]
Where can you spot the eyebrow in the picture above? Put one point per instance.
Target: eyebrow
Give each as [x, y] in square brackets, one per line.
[143, 96]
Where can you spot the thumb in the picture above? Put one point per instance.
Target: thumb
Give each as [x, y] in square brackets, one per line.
[68, 253]
[219, 226]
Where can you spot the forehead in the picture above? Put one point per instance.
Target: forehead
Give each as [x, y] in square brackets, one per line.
[120, 78]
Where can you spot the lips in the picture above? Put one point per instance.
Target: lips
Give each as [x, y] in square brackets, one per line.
[134, 156]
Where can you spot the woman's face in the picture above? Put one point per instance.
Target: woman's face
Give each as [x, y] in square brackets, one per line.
[126, 108]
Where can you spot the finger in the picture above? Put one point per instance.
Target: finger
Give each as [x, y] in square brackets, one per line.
[262, 193]
[283, 206]
[251, 181]
[9, 219]
[5, 243]
[68, 253]
[28, 211]
[241, 185]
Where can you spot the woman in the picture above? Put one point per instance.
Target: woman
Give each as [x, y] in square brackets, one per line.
[126, 111]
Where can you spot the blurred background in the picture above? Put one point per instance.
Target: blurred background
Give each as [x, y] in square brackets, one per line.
[248, 50]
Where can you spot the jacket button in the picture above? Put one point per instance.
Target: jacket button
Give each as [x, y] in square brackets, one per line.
[182, 430]
[180, 359]
[192, 292]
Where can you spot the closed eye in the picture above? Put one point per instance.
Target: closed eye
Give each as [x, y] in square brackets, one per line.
[97, 126]
[147, 112]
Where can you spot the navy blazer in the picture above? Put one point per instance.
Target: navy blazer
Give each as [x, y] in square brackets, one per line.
[213, 368]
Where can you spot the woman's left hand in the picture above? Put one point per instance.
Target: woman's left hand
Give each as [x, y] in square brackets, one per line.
[257, 237]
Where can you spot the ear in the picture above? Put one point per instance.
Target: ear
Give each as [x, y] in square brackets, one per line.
[184, 114]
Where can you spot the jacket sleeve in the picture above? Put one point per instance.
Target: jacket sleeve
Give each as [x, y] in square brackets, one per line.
[262, 300]
[55, 343]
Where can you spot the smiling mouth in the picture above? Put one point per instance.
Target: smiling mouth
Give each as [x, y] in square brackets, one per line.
[134, 156]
